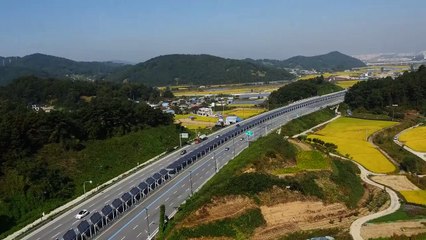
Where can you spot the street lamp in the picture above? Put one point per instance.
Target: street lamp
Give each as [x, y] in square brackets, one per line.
[84, 186]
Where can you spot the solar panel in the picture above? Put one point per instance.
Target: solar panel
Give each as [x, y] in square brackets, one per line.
[142, 186]
[83, 227]
[157, 176]
[150, 180]
[106, 210]
[70, 235]
[164, 172]
[116, 203]
[95, 218]
[126, 197]
[135, 191]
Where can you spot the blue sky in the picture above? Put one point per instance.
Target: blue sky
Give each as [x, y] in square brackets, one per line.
[138, 30]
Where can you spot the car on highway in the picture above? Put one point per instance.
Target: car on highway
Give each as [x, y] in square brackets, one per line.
[242, 139]
[237, 125]
[218, 136]
[82, 214]
[183, 152]
[227, 149]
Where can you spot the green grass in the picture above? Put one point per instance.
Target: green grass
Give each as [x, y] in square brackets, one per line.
[403, 213]
[238, 228]
[307, 160]
[101, 161]
[218, 185]
[306, 122]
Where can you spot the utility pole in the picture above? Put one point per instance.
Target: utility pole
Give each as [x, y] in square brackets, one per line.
[180, 140]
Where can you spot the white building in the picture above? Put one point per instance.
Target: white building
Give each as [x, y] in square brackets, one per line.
[205, 112]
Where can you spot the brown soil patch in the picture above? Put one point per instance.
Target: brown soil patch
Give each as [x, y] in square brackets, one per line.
[407, 228]
[220, 208]
[195, 122]
[301, 145]
[295, 216]
[396, 182]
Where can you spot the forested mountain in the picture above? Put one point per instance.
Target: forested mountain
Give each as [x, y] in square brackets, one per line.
[34, 173]
[198, 70]
[50, 66]
[333, 61]
[406, 91]
[300, 90]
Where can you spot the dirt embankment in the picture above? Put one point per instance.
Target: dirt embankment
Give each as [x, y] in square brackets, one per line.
[220, 208]
[407, 228]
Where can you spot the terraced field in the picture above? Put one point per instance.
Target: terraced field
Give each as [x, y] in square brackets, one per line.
[350, 135]
[416, 196]
[415, 138]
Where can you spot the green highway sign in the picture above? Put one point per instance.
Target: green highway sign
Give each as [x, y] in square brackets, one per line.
[249, 133]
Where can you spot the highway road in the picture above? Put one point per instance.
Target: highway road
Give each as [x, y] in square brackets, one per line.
[141, 220]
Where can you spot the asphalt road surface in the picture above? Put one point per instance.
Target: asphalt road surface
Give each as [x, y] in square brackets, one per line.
[141, 220]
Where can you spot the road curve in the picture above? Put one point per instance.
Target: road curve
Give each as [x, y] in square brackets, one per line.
[355, 229]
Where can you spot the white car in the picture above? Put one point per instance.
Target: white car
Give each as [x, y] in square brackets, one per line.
[82, 214]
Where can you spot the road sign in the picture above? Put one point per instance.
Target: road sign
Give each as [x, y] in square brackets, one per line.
[249, 133]
[184, 135]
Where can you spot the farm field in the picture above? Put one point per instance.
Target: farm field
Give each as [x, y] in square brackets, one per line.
[415, 138]
[416, 196]
[193, 121]
[244, 112]
[346, 84]
[307, 160]
[350, 135]
[225, 89]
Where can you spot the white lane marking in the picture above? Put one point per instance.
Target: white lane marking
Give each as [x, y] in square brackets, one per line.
[75, 222]
[57, 226]
[123, 237]
[92, 205]
[167, 199]
[175, 192]
[135, 227]
[106, 202]
[139, 235]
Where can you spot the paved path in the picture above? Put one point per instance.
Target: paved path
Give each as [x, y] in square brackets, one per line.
[421, 155]
[355, 229]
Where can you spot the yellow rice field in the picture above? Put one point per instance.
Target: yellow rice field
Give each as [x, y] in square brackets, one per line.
[415, 138]
[244, 112]
[416, 196]
[350, 135]
[346, 84]
[227, 90]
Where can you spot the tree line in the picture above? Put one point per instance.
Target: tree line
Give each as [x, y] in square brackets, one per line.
[406, 91]
[83, 111]
[300, 90]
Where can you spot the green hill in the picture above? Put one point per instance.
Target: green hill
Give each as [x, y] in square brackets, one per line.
[42, 65]
[333, 61]
[198, 70]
